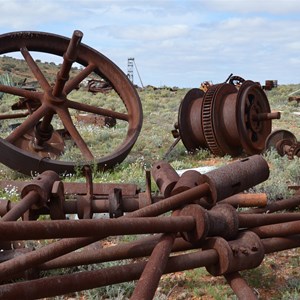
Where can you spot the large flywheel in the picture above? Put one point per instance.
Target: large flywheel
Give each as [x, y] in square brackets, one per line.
[48, 127]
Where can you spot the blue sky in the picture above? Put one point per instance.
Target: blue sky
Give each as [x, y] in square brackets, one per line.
[176, 43]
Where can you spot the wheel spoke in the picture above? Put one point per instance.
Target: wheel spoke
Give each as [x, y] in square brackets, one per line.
[74, 82]
[69, 58]
[97, 110]
[20, 92]
[35, 69]
[68, 123]
[27, 124]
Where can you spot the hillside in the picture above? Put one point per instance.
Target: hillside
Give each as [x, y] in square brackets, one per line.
[19, 71]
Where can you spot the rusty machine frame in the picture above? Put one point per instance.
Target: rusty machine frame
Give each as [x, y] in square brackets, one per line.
[225, 119]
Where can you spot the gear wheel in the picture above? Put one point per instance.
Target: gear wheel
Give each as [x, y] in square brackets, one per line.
[207, 121]
[294, 151]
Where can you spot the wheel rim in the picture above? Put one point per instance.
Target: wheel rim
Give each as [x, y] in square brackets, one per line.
[92, 61]
[274, 138]
[190, 132]
[252, 102]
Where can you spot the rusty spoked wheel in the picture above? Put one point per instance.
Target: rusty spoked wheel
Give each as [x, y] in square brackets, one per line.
[38, 142]
[254, 117]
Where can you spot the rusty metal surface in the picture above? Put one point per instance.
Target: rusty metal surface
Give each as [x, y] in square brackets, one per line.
[234, 178]
[294, 98]
[99, 86]
[284, 142]
[149, 279]
[240, 287]
[247, 200]
[50, 101]
[226, 120]
[165, 177]
[96, 120]
[220, 238]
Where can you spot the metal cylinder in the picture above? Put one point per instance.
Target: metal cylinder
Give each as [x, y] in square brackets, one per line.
[165, 177]
[42, 185]
[246, 252]
[236, 177]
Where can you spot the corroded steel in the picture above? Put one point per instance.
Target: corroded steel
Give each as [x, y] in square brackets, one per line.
[247, 200]
[96, 120]
[99, 86]
[59, 285]
[149, 279]
[165, 177]
[221, 220]
[284, 142]
[220, 238]
[36, 138]
[240, 286]
[245, 252]
[294, 98]
[235, 177]
[187, 180]
[225, 119]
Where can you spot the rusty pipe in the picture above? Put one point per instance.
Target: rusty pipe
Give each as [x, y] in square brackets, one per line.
[59, 285]
[276, 206]
[254, 220]
[240, 286]
[148, 282]
[65, 246]
[266, 116]
[277, 230]
[27, 230]
[247, 200]
[19, 209]
[139, 248]
[69, 57]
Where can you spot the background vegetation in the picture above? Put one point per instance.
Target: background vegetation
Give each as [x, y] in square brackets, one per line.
[276, 278]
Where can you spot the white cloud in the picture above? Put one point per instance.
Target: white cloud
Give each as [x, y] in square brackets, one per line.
[20, 15]
[150, 33]
[179, 42]
[278, 7]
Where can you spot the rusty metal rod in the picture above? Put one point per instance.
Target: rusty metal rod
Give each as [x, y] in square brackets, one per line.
[276, 244]
[128, 189]
[246, 200]
[149, 280]
[28, 230]
[276, 206]
[139, 248]
[59, 285]
[172, 202]
[69, 57]
[70, 206]
[14, 116]
[25, 203]
[240, 286]
[277, 230]
[64, 246]
[266, 116]
[254, 220]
